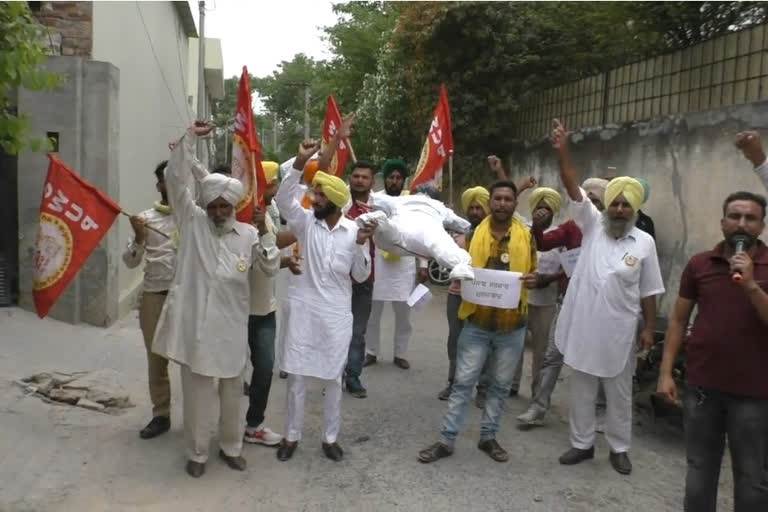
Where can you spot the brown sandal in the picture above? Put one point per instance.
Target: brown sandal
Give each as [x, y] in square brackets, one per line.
[435, 452]
[494, 450]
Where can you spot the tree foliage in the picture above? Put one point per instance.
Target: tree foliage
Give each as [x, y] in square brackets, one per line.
[22, 53]
[389, 59]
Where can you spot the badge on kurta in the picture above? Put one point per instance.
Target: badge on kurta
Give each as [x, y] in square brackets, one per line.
[504, 258]
[242, 266]
[630, 260]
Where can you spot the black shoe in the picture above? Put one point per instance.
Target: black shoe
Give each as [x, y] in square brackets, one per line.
[445, 394]
[435, 452]
[237, 463]
[480, 400]
[195, 469]
[402, 363]
[494, 450]
[621, 463]
[333, 451]
[286, 449]
[283, 375]
[355, 388]
[369, 360]
[575, 455]
[158, 425]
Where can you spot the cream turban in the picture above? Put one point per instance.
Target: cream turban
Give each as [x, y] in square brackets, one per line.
[630, 188]
[479, 194]
[597, 186]
[550, 196]
[270, 170]
[334, 188]
[218, 185]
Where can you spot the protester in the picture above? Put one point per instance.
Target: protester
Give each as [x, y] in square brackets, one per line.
[317, 319]
[360, 184]
[262, 324]
[615, 280]
[397, 276]
[500, 242]
[475, 203]
[160, 252]
[203, 325]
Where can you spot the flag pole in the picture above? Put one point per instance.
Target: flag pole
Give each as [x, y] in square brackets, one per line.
[450, 178]
[148, 227]
[351, 150]
[255, 180]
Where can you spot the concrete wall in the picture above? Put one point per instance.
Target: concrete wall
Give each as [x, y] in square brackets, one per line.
[84, 112]
[147, 42]
[689, 161]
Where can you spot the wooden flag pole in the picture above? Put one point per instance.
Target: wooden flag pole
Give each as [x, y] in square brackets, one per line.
[351, 150]
[148, 227]
[450, 178]
[255, 181]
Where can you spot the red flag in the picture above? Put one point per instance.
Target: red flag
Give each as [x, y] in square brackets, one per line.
[437, 147]
[74, 216]
[246, 153]
[331, 125]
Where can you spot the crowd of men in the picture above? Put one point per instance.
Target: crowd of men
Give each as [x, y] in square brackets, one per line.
[209, 304]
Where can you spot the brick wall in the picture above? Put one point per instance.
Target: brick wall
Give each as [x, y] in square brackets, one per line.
[70, 26]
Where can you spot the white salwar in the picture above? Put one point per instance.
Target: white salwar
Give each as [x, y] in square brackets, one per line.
[394, 282]
[316, 321]
[203, 325]
[597, 326]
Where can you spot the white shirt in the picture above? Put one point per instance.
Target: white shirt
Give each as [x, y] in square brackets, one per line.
[546, 296]
[762, 172]
[263, 301]
[160, 251]
[204, 323]
[316, 325]
[597, 325]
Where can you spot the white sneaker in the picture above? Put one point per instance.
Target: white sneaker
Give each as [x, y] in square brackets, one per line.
[462, 271]
[261, 435]
[532, 417]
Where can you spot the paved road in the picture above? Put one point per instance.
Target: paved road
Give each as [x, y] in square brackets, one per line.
[63, 458]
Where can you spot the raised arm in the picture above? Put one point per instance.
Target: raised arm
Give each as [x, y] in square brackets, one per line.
[178, 170]
[339, 138]
[568, 174]
[287, 197]
[134, 252]
[750, 145]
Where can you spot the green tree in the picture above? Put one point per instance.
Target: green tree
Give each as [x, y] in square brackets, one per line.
[22, 54]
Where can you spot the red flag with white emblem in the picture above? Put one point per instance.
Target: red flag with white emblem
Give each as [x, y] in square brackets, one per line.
[437, 147]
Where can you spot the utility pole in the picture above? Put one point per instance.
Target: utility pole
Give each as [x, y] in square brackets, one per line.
[201, 76]
[307, 94]
[274, 131]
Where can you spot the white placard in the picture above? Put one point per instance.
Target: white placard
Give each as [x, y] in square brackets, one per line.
[495, 288]
[549, 263]
[568, 260]
[419, 298]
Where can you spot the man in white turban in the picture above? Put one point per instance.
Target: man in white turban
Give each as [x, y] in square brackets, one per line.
[203, 326]
[615, 281]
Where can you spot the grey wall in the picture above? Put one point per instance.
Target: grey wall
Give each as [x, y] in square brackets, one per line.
[689, 161]
[84, 111]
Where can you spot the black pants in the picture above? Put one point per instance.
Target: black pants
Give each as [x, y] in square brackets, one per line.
[261, 340]
[710, 416]
[454, 329]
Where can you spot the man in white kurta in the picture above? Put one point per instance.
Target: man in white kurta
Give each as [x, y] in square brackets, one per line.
[615, 280]
[316, 324]
[203, 326]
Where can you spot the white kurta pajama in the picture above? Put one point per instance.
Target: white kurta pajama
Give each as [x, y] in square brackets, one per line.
[597, 327]
[395, 280]
[316, 325]
[204, 322]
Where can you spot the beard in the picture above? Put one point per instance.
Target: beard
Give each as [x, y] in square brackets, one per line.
[324, 212]
[749, 240]
[618, 227]
[393, 190]
[223, 228]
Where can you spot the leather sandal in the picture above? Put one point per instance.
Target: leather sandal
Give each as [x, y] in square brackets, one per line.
[494, 450]
[435, 452]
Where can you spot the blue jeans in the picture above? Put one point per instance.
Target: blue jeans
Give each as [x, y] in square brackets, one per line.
[711, 416]
[362, 296]
[261, 340]
[475, 346]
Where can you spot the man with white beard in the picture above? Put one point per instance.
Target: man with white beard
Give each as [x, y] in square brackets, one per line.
[615, 280]
[204, 323]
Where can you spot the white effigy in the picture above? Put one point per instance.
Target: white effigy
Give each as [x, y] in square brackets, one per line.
[415, 225]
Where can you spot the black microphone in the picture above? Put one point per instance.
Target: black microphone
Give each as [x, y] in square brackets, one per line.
[740, 242]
